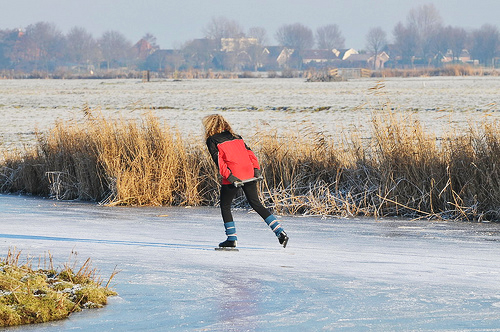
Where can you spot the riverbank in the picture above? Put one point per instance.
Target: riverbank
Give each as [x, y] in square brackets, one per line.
[145, 75]
[400, 171]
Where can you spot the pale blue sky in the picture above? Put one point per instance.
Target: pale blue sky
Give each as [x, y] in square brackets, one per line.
[176, 21]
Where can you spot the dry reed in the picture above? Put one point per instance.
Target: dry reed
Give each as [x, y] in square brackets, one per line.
[114, 162]
[401, 170]
[446, 70]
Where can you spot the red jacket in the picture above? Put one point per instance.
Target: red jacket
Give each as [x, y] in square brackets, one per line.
[232, 156]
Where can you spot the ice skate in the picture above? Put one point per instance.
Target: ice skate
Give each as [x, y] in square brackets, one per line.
[283, 238]
[276, 227]
[227, 246]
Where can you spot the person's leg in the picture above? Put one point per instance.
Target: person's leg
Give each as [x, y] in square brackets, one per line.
[227, 193]
[250, 190]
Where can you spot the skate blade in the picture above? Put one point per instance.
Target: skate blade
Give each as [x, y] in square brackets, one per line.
[226, 249]
[285, 243]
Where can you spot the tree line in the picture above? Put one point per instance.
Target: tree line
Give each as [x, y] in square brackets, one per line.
[420, 40]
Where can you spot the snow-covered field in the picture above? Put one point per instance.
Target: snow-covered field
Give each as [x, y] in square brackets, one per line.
[335, 274]
[251, 105]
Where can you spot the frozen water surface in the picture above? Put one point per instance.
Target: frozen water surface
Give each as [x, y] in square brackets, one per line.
[356, 274]
[251, 105]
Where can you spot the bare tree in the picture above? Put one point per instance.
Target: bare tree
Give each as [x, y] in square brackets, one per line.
[376, 40]
[426, 22]
[81, 47]
[486, 44]
[296, 36]
[255, 52]
[8, 39]
[405, 42]
[115, 47]
[457, 40]
[329, 37]
[449, 39]
[200, 53]
[221, 27]
[42, 44]
[259, 33]
[151, 39]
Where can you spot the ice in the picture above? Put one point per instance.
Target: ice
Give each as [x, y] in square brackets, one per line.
[251, 105]
[355, 274]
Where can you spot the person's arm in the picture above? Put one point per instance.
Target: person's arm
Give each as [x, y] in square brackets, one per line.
[255, 162]
[213, 150]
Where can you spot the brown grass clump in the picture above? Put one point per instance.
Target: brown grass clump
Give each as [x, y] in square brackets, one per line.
[295, 166]
[114, 162]
[29, 296]
[401, 170]
[148, 164]
[446, 70]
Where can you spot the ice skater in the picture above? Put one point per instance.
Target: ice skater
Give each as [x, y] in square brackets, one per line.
[236, 162]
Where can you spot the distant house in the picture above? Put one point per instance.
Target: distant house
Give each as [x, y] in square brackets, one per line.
[344, 54]
[448, 57]
[366, 61]
[465, 56]
[277, 57]
[357, 61]
[318, 57]
[238, 54]
[285, 56]
[379, 61]
[445, 58]
[269, 58]
[142, 49]
[235, 44]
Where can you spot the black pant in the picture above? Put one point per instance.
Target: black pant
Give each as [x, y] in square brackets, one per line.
[227, 194]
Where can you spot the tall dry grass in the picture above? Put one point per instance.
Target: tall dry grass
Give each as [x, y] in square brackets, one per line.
[149, 164]
[446, 70]
[114, 162]
[401, 170]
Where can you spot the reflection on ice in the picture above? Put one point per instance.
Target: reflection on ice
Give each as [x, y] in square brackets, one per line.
[336, 274]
